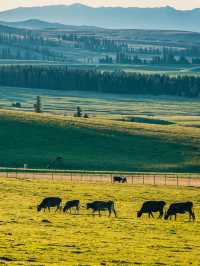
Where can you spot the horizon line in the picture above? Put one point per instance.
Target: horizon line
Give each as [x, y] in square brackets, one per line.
[96, 7]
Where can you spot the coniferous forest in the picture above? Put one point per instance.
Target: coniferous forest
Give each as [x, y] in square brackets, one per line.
[64, 78]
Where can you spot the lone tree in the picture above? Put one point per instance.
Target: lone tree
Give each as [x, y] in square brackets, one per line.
[38, 105]
[86, 115]
[78, 112]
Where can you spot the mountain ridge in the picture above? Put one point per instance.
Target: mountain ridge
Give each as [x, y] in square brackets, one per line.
[164, 18]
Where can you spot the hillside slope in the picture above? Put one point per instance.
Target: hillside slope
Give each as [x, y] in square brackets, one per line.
[88, 144]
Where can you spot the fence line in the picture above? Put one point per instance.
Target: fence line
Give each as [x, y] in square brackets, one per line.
[133, 178]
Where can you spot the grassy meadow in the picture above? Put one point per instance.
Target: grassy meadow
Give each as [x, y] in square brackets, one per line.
[31, 238]
[97, 143]
[100, 104]
[123, 133]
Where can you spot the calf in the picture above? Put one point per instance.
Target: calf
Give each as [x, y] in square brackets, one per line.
[119, 179]
[181, 208]
[150, 207]
[102, 206]
[72, 204]
[50, 202]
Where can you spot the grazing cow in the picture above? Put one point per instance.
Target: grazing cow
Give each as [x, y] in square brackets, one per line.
[119, 179]
[50, 202]
[72, 204]
[102, 206]
[181, 207]
[150, 207]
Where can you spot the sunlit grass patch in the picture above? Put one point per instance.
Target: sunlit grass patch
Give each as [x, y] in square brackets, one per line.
[28, 237]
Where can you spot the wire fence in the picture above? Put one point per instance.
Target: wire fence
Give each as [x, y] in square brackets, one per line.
[132, 178]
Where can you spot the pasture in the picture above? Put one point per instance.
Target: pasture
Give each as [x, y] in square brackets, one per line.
[170, 70]
[101, 104]
[96, 143]
[31, 238]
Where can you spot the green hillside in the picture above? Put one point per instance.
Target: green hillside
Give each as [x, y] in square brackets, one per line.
[96, 144]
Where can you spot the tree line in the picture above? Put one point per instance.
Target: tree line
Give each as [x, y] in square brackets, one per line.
[165, 59]
[64, 78]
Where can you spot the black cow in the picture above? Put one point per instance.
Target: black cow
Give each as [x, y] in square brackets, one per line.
[72, 204]
[50, 202]
[150, 207]
[102, 206]
[181, 207]
[119, 179]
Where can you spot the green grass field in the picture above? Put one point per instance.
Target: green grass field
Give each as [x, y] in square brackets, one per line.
[31, 238]
[171, 70]
[97, 143]
[99, 104]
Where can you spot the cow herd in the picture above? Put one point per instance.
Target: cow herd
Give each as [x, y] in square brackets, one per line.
[174, 209]
[95, 206]
[148, 207]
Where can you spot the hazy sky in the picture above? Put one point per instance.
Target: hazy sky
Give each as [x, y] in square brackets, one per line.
[179, 4]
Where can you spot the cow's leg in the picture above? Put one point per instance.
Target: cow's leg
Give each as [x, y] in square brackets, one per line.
[77, 209]
[152, 215]
[114, 212]
[49, 209]
[193, 216]
[190, 216]
[175, 217]
[99, 213]
[161, 214]
[149, 214]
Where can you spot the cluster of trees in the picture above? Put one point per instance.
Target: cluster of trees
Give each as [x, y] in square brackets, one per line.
[95, 44]
[106, 60]
[26, 45]
[63, 78]
[166, 59]
[193, 51]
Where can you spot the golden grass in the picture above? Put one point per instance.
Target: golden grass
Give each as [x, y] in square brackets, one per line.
[26, 239]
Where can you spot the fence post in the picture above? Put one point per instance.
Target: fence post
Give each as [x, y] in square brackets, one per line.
[111, 178]
[52, 175]
[154, 180]
[177, 183]
[165, 180]
[7, 174]
[132, 179]
[143, 179]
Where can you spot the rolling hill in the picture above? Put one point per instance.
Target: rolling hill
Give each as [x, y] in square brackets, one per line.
[36, 24]
[77, 14]
[96, 144]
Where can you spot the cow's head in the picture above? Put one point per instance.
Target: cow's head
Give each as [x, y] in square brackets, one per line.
[88, 206]
[39, 208]
[139, 214]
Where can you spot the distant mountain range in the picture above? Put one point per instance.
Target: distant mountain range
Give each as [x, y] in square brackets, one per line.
[36, 24]
[163, 18]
